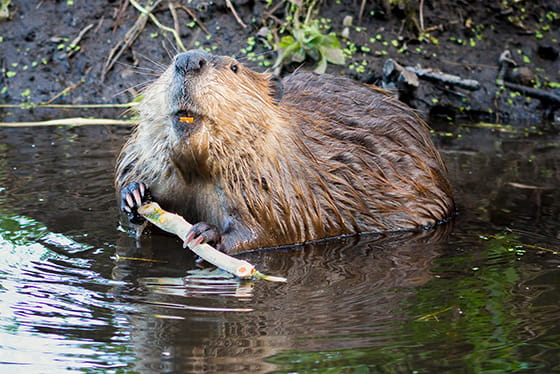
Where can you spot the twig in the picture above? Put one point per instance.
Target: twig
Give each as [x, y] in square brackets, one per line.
[509, 241]
[153, 18]
[193, 16]
[74, 43]
[270, 12]
[230, 6]
[67, 106]
[177, 225]
[362, 9]
[173, 12]
[69, 122]
[529, 187]
[118, 15]
[126, 42]
[421, 15]
[434, 315]
[309, 11]
[119, 258]
[64, 92]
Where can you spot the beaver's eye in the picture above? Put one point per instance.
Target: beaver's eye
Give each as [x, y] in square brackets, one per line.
[234, 68]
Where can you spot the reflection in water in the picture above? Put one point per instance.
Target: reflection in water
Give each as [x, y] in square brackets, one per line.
[77, 295]
[340, 294]
[50, 305]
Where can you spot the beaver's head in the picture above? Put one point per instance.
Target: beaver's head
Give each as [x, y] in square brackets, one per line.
[199, 90]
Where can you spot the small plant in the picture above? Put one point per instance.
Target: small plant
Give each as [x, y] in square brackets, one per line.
[306, 37]
[309, 41]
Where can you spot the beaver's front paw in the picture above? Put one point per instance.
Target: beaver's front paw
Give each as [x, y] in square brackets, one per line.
[203, 232]
[134, 196]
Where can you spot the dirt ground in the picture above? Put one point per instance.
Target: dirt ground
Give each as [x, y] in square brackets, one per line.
[54, 51]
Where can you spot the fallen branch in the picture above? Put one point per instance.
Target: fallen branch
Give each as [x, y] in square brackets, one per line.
[535, 92]
[177, 225]
[454, 80]
[69, 122]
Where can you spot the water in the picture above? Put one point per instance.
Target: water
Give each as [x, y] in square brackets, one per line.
[479, 295]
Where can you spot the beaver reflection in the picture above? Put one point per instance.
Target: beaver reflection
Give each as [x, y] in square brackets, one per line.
[259, 162]
[349, 293]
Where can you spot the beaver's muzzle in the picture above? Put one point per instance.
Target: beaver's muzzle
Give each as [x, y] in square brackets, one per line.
[191, 61]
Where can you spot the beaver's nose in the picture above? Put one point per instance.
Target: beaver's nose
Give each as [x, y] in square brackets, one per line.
[191, 61]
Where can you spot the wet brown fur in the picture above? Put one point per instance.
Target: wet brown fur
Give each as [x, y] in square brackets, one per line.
[332, 157]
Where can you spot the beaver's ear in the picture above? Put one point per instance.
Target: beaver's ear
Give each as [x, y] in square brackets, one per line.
[276, 88]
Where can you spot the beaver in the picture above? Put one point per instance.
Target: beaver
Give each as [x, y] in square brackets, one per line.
[256, 161]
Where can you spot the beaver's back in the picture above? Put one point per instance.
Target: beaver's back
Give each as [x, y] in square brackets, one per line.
[376, 153]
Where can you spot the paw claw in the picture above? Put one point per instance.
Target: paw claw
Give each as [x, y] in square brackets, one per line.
[132, 197]
[190, 236]
[196, 241]
[129, 201]
[137, 197]
[202, 233]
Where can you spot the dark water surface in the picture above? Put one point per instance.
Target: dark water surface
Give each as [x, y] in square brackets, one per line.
[479, 295]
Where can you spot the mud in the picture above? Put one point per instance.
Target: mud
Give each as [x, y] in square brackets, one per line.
[39, 64]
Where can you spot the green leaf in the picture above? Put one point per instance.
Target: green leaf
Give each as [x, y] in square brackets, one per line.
[288, 52]
[321, 66]
[286, 41]
[331, 41]
[334, 56]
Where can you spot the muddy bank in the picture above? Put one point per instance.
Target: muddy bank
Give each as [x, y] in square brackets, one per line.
[55, 52]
